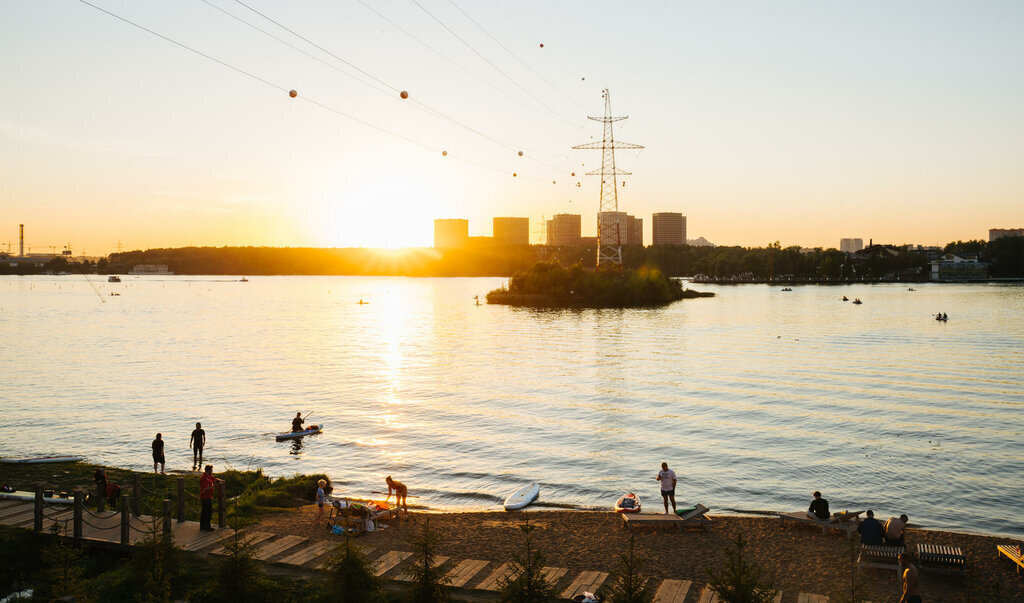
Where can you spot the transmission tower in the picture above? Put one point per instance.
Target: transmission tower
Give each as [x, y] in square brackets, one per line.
[609, 240]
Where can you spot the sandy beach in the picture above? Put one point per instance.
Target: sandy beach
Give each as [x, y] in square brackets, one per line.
[799, 559]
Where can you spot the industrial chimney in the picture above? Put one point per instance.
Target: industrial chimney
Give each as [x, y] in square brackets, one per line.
[21, 240]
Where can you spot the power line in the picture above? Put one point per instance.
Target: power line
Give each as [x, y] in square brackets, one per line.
[306, 99]
[496, 68]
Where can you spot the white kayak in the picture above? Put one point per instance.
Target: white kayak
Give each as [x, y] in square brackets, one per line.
[291, 435]
[42, 459]
[522, 497]
[30, 496]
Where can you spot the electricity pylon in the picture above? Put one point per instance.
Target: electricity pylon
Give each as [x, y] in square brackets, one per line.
[609, 239]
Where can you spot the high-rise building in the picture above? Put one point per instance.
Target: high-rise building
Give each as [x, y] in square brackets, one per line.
[998, 233]
[613, 224]
[851, 245]
[451, 233]
[668, 228]
[511, 231]
[564, 230]
[634, 231]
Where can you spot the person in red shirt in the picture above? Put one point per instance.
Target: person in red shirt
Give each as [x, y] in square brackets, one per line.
[207, 483]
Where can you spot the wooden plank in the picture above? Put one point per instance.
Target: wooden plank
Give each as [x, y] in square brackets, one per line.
[438, 562]
[309, 553]
[278, 546]
[323, 560]
[553, 574]
[205, 539]
[464, 572]
[16, 509]
[672, 591]
[806, 598]
[253, 538]
[586, 581]
[389, 561]
[493, 581]
[708, 596]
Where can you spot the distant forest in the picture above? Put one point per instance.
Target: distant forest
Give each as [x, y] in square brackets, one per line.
[1005, 257]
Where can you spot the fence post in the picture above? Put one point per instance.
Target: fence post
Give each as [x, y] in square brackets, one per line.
[125, 518]
[136, 494]
[37, 515]
[78, 515]
[220, 505]
[181, 499]
[101, 498]
[167, 516]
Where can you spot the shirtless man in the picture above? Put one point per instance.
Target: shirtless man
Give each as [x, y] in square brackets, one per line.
[400, 493]
[911, 582]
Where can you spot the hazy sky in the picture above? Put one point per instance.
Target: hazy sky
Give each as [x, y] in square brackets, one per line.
[801, 122]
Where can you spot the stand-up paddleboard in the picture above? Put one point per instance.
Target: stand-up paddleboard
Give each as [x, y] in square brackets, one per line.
[522, 497]
[628, 503]
[30, 496]
[291, 435]
[42, 459]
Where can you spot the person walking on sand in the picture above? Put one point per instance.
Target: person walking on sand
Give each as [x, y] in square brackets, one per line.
[401, 492]
[297, 422]
[667, 477]
[911, 580]
[158, 453]
[321, 500]
[207, 483]
[819, 508]
[197, 442]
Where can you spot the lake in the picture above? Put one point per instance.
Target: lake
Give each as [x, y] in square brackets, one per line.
[755, 397]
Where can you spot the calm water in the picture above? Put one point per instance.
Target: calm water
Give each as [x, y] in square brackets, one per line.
[756, 397]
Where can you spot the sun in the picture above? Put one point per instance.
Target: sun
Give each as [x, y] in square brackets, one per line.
[390, 214]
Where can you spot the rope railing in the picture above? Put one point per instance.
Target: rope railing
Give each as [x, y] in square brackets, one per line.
[55, 517]
[96, 527]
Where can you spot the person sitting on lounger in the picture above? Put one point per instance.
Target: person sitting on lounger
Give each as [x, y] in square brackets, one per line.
[818, 508]
[894, 530]
[871, 530]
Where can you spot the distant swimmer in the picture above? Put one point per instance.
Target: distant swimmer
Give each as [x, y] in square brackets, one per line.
[846, 298]
[363, 303]
[401, 492]
[158, 453]
[197, 441]
[297, 422]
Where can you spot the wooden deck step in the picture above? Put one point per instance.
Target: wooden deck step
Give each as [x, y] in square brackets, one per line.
[438, 562]
[309, 553]
[204, 540]
[708, 596]
[365, 550]
[253, 538]
[464, 571]
[388, 561]
[16, 509]
[493, 581]
[282, 544]
[805, 598]
[672, 591]
[586, 581]
[553, 574]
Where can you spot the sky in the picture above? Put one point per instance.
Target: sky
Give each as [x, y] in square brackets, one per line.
[794, 121]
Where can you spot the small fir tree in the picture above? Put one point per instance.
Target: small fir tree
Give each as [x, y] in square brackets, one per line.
[350, 577]
[425, 571]
[740, 580]
[527, 583]
[63, 567]
[630, 584]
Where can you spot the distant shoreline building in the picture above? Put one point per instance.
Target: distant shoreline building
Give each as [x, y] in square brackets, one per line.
[511, 231]
[998, 233]
[564, 230]
[851, 245]
[150, 269]
[630, 228]
[952, 267]
[451, 233]
[668, 228]
[699, 242]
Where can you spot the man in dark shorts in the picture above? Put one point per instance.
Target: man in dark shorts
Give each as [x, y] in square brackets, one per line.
[158, 453]
[818, 508]
[197, 442]
[297, 422]
[667, 477]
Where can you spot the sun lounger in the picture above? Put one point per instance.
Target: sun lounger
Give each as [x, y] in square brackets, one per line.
[672, 591]
[709, 596]
[941, 559]
[585, 582]
[834, 523]
[1011, 552]
[659, 520]
[881, 556]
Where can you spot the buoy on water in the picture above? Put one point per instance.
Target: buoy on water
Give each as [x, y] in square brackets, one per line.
[292, 93]
[403, 94]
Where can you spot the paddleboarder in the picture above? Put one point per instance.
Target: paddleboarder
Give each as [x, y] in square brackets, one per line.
[401, 492]
[158, 453]
[297, 423]
[667, 477]
[197, 442]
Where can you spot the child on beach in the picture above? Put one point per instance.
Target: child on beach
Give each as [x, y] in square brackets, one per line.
[321, 500]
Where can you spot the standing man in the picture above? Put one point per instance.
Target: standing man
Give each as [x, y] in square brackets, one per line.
[207, 483]
[158, 453]
[297, 422]
[911, 580]
[400, 493]
[197, 442]
[667, 477]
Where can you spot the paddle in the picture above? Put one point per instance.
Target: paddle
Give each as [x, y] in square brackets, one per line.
[379, 492]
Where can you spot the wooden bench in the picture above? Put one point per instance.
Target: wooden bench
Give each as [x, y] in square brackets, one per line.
[659, 520]
[849, 526]
[1011, 552]
[881, 556]
[941, 559]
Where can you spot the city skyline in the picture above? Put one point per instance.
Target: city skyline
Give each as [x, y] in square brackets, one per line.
[799, 123]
